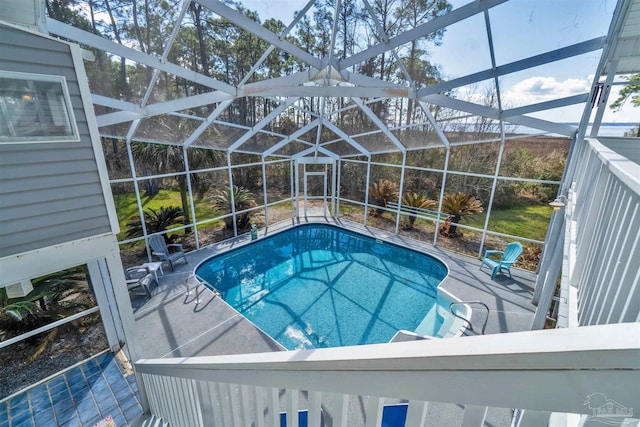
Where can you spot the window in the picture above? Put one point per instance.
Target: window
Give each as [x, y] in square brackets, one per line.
[35, 108]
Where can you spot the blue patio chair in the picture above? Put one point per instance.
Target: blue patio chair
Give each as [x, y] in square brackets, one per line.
[509, 257]
[160, 249]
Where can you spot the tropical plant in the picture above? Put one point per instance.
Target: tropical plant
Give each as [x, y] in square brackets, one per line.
[242, 199]
[458, 206]
[54, 297]
[417, 201]
[382, 192]
[155, 221]
[162, 158]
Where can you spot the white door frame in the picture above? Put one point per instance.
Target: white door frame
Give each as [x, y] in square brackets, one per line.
[324, 189]
[326, 161]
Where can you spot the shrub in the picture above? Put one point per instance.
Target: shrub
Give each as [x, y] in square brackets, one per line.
[458, 205]
[382, 192]
[54, 297]
[418, 201]
[155, 221]
[243, 200]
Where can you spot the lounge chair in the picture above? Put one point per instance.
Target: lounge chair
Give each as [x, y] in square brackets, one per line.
[139, 277]
[160, 249]
[509, 257]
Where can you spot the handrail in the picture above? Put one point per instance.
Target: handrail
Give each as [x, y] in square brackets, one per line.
[486, 319]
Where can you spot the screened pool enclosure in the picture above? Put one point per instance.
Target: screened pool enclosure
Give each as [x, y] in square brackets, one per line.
[408, 116]
[464, 124]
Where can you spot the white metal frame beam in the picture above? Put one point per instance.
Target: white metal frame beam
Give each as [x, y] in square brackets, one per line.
[312, 150]
[116, 103]
[421, 31]
[162, 108]
[432, 120]
[156, 73]
[209, 120]
[345, 137]
[86, 38]
[282, 88]
[262, 123]
[292, 137]
[258, 30]
[376, 120]
[534, 61]
[492, 113]
[271, 48]
[385, 38]
[546, 105]
[295, 79]
[366, 81]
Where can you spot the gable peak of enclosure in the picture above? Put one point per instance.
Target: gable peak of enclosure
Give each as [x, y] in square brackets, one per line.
[336, 78]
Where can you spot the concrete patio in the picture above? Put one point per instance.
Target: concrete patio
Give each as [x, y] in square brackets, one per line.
[183, 318]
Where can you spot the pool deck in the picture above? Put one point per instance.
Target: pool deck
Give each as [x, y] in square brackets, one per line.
[173, 323]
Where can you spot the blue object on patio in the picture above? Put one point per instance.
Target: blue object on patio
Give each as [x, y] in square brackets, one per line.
[509, 257]
[160, 249]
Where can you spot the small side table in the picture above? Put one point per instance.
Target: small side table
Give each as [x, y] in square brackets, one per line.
[154, 267]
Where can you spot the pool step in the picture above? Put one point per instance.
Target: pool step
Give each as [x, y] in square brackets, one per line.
[392, 416]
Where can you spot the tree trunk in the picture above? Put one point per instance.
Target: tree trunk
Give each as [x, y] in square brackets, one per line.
[123, 67]
[136, 26]
[182, 185]
[453, 228]
[202, 45]
[412, 61]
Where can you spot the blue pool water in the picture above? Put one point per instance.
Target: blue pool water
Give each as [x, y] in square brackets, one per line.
[322, 286]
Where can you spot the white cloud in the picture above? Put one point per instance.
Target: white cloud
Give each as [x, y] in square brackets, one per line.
[540, 89]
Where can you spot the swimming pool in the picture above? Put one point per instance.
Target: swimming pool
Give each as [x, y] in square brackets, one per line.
[318, 286]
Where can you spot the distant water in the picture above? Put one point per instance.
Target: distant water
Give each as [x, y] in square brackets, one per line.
[616, 129]
[606, 129]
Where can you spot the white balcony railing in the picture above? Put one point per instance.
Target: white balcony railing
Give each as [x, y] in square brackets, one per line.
[544, 372]
[604, 249]
[595, 239]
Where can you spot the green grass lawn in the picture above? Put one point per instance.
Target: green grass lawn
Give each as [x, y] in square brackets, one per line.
[524, 221]
[530, 221]
[126, 207]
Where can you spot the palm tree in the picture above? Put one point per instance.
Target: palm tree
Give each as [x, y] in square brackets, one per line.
[382, 192]
[162, 158]
[418, 201]
[155, 221]
[459, 205]
[242, 198]
[54, 297]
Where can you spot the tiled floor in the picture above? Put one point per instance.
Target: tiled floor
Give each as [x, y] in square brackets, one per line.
[81, 396]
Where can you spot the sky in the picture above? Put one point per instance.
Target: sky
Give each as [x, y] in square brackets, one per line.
[520, 28]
